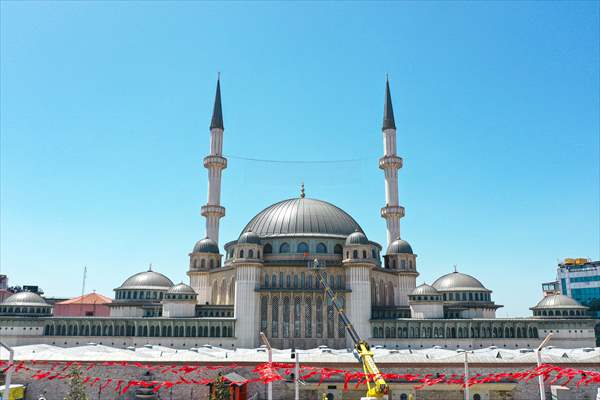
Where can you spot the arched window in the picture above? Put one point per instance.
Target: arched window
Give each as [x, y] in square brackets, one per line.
[373, 253]
[250, 254]
[337, 249]
[476, 396]
[295, 281]
[394, 266]
[321, 248]
[288, 281]
[195, 264]
[355, 254]
[268, 249]
[403, 264]
[212, 263]
[273, 280]
[241, 253]
[364, 254]
[302, 248]
[266, 281]
[284, 248]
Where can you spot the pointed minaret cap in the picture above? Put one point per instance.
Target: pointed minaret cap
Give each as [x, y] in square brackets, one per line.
[217, 117]
[388, 110]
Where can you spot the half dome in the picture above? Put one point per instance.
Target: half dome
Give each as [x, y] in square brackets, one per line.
[399, 246]
[558, 301]
[302, 217]
[424, 289]
[457, 281]
[25, 299]
[181, 288]
[357, 238]
[249, 238]
[206, 245]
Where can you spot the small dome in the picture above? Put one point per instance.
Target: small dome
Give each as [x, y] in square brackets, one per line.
[206, 245]
[559, 301]
[457, 281]
[356, 238]
[181, 288]
[147, 280]
[25, 299]
[424, 289]
[399, 246]
[249, 238]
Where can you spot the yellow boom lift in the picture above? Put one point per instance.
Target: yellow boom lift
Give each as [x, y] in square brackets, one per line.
[377, 388]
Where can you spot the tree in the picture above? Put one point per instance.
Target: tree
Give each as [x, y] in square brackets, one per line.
[219, 389]
[76, 386]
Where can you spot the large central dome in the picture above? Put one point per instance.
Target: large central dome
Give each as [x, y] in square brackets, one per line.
[302, 217]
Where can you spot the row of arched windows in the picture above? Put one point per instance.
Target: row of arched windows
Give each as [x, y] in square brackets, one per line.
[138, 295]
[467, 296]
[302, 248]
[558, 313]
[295, 281]
[293, 317]
[356, 253]
[202, 264]
[141, 330]
[453, 332]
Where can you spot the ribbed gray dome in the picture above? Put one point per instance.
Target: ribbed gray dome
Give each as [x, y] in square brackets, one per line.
[249, 237]
[181, 288]
[302, 217]
[206, 245]
[457, 281]
[356, 238]
[424, 289]
[558, 301]
[399, 246]
[147, 280]
[25, 299]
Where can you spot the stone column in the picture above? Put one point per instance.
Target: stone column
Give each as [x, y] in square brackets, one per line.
[246, 308]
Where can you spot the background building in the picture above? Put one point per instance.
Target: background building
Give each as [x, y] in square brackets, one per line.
[88, 305]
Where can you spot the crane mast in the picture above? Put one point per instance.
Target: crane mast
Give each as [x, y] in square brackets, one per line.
[377, 387]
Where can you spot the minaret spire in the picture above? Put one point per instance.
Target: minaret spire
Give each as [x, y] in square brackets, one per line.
[390, 163]
[217, 117]
[388, 110]
[215, 163]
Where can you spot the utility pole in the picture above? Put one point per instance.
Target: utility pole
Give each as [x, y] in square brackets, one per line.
[467, 394]
[82, 290]
[263, 337]
[11, 358]
[539, 363]
[296, 356]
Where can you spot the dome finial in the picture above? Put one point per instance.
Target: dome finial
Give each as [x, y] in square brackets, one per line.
[150, 267]
[455, 269]
[302, 190]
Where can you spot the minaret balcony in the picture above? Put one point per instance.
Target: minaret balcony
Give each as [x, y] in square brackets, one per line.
[212, 209]
[392, 211]
[390, 162]
[214, 161]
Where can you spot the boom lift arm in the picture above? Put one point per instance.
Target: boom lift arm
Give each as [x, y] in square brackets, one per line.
[377, 387]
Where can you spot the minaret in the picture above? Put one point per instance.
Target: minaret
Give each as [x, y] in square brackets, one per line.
[390, 163]
[215, 163]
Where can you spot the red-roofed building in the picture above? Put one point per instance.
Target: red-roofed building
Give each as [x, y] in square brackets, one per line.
[88, 305]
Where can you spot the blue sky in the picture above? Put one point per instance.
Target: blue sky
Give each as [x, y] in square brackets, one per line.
[105, 108]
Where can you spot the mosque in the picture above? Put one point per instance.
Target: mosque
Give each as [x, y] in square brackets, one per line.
[261, 283]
